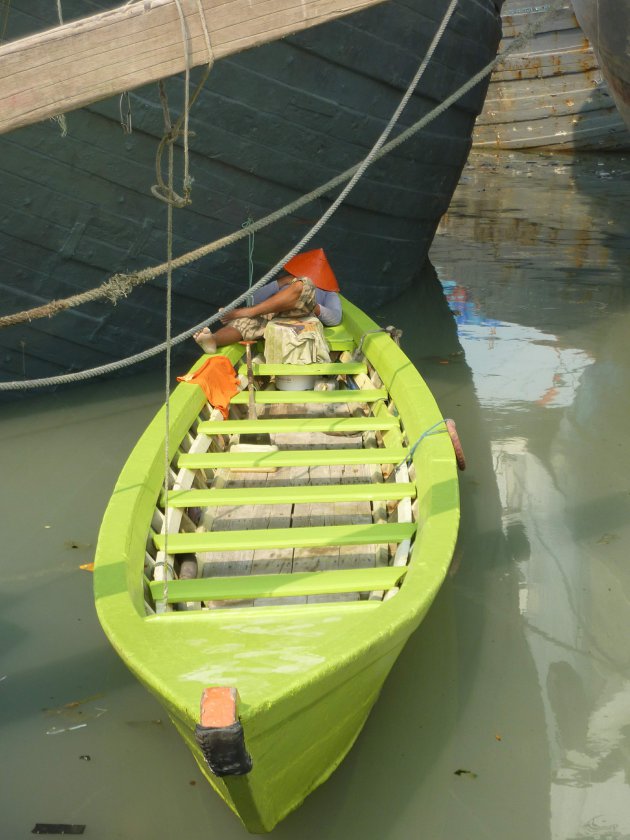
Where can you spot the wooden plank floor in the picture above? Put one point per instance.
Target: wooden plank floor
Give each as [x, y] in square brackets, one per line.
[278, 561]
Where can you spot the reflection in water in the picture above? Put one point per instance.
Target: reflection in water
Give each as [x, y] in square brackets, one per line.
[576, 677]
[535, 263]
[511, 363]
[539, 239]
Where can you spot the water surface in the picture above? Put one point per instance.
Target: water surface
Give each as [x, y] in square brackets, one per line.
[508, 713]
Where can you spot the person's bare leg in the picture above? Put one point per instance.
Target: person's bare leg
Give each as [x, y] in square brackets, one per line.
[209, 341]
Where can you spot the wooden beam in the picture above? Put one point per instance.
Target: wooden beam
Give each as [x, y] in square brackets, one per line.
[64, 68]
[281, 494]
[236, 588]
[290, 458]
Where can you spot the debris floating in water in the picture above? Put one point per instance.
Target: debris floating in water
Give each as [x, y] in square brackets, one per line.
[58, 828]
[468, 773]
[55, 731]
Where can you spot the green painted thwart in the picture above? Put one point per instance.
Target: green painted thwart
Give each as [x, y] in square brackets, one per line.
[308, 494]
[299, 425]
[307, 674]
[312, 397]
[290, 458]
[279, 586]
[322, 369]
[317, 535]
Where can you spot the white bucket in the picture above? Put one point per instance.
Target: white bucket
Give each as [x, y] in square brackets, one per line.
[295, 383]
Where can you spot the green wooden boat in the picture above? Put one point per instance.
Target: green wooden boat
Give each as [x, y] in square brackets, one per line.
[265, 604]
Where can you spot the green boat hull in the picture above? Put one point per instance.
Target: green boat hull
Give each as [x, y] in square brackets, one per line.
[292, 759]
[307, 675]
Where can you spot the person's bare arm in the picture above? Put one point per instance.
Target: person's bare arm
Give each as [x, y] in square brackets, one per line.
[282, 301]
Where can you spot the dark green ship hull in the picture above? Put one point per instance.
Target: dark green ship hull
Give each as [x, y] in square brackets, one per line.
[270, 125]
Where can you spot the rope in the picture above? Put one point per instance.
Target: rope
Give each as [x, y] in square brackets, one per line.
[60, 119]
[124, 108]
[432, 430]
[120, 285]
[161, 190]
[173, 132]
[169, 289]
[167, 375]
[206, 33]
[250, 259]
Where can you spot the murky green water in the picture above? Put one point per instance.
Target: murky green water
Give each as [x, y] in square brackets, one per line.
[508, 714]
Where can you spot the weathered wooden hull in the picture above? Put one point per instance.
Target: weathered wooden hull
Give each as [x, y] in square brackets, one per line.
[607, 26]
[551, 94]
[271, 125]
[307, 669]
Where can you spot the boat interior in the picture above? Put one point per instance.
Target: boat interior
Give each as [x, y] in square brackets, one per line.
[323, 511]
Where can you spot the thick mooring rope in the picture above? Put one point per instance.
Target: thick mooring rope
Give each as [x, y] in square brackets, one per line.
[120, 285]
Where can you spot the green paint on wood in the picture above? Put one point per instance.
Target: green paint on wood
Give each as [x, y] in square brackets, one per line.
[321, 369]
[279, 586]
[289, 458]
[299, 425]
[312, 397]
[270, 495]
[320, 535]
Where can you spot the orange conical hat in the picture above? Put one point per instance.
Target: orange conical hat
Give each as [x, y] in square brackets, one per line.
[315, 266]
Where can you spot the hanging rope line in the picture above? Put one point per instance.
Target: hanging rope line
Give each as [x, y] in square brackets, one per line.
[60, 119]
[250, 259]
[172, 133]
[167, 365]
[168, 315]
[124, 108]
[120, 285]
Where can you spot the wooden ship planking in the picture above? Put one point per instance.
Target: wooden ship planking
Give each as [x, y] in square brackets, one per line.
[271, 123]
[551, 94]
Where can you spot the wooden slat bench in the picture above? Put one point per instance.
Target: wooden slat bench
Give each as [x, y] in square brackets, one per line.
[307, 494]
[273, 586]
[205, 541]
[312, 397]
[299, 425]
[320, 369]
[290, 458]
